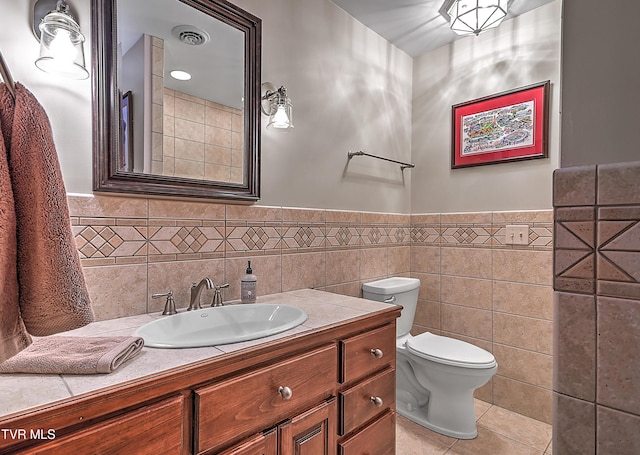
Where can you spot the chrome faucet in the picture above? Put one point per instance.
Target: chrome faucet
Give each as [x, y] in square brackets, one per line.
[217, 296]
[169, 305]
[196, 289]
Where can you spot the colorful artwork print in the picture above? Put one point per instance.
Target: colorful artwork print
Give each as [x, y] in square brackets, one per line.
[509, 126]
[498, 129]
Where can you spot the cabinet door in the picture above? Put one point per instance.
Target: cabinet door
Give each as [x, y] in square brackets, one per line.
[312, 432]
[260, 444]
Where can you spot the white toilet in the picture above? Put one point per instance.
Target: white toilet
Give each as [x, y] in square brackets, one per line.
[435, 375]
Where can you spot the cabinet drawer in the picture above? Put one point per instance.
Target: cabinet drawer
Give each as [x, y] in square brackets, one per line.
[379, 438]
[252, 402]
[364, 401]
[156, 428]
[365, 353]
[259, 444]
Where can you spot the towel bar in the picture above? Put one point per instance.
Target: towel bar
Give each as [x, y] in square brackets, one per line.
[403, 166]
[6, 76]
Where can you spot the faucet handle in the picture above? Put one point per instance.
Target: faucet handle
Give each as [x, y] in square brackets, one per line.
[169, 305]
[217, 296]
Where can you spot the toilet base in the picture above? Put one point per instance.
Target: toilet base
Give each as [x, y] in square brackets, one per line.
[419, 416]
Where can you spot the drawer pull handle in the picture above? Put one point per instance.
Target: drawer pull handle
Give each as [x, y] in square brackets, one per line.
[377, 353]
[377, 401]
[285, 392]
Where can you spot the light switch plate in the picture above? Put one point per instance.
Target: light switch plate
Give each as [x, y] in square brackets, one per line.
[517, 234]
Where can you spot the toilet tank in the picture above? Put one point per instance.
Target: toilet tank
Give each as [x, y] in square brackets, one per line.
[397, 291]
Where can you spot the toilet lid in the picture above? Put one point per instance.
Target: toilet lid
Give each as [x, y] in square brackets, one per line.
[449, 351]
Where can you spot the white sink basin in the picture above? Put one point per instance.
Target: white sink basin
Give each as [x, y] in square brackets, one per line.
[220, 325]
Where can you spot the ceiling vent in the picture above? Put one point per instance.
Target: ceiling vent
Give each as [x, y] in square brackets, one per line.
[190, 34]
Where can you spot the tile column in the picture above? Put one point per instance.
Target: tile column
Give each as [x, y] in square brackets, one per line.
[597, 310]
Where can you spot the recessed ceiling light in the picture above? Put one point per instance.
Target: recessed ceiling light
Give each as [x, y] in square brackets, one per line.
[180, 75]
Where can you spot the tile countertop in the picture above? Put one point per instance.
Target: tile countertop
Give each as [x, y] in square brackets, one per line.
[19, 392]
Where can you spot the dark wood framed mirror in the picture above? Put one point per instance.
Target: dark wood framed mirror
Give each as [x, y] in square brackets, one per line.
[157, 135]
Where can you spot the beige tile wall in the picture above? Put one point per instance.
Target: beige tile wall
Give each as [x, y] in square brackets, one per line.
[133, 247]
[476, 288]
[473, 287]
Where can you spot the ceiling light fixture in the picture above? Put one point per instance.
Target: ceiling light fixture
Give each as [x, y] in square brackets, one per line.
[277, 105]
[468, 17]
[180, 75]
[61, 50]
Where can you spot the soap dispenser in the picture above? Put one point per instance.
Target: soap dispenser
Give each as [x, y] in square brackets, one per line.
[248, 284]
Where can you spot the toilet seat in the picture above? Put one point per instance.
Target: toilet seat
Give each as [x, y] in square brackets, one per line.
[449, 351]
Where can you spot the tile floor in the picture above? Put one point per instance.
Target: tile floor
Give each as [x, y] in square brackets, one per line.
[500, 432]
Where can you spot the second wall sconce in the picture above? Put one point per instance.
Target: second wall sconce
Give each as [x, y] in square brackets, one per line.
[277, 105]
[61, 50]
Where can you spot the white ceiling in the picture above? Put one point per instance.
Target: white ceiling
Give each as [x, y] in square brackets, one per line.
[415, 26]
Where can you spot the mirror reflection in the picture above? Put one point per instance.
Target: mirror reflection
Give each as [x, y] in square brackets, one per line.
[181, 78]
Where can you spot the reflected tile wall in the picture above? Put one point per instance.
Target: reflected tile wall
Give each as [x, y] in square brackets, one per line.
[476, 288]
[597, 308]
[201, 139]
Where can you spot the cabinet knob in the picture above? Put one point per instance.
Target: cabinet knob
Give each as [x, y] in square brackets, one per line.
[377, 401]
[377, 353]
[285, 392]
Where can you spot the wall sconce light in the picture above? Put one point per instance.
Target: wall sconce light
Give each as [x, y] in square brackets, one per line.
[277, 105]
[468, 17]
[61, 50]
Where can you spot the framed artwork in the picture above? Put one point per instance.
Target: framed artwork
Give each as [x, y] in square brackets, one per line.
[125, 161]
[508, 126]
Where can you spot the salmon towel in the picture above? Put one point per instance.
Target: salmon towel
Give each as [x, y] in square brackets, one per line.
[74, 355]
[53, 296]
[13, 334]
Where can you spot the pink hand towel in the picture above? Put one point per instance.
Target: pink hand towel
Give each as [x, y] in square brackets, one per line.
[13, 334]
[74, 355]
[53, 294]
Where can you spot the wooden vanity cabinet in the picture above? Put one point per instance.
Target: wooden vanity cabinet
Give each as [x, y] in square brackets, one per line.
[328, 392]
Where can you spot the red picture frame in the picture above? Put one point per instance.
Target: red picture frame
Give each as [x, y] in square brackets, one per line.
[509, 126]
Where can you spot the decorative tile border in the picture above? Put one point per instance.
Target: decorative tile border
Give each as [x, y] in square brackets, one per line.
[425, 234]
[255, 231]
[253, 238]
[103, 241]
[301, 237]
[175, 238]
[475, 229]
